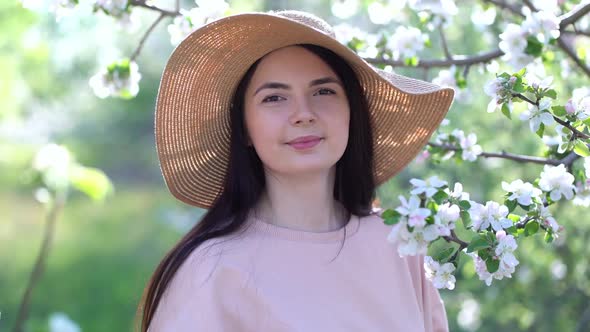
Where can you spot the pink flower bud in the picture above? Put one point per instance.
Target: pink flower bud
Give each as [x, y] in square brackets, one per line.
[569, 107]
[500, 235]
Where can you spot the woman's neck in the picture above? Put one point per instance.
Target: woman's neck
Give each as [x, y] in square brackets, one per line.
[306, 204]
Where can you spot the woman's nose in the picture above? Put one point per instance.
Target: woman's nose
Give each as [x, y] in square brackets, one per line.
[303, 113]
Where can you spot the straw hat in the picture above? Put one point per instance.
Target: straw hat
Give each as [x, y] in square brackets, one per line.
[192, 110]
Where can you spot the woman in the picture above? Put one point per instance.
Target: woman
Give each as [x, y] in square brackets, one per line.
[283, 134]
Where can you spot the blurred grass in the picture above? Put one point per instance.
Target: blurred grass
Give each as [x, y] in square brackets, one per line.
[102, 256]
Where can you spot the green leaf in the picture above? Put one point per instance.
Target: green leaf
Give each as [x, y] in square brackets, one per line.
[510, 204]
[533, 47]
[440, 196]
[550, 93]
[587, 122]
[484, 254]
[541, 130]
[464, 204]
[390, 217]
[492, 265]
[477, 243]
[412, 62]
[505, 75]
[513, 217]
[511, 230]
[581, 149]
[466, 219]
[521, 72]
[548, 237]
[559, 110]
[91, 181]
[531, 228]
[444, 254]
[506, 110]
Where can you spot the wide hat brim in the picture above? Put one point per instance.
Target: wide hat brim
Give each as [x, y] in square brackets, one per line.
[192, 124]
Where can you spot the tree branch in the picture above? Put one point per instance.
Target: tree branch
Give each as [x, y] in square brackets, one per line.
[143, 4]
[576, 132]
[145, 36]
[575, 14]
[568, 160]
[443, 41]
[458, 60]
[503, 4]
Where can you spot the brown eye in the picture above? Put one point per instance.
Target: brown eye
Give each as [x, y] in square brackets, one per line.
[271, 99]
[326, 92]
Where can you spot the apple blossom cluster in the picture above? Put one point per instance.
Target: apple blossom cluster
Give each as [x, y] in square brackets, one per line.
[406, 42]
[466, 145]
[441, 11]
[540, 113]
[522, 43]
[432, 212]
[119, 79]
[190, 20]
[119, 10]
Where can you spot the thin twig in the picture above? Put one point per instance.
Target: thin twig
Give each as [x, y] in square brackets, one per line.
[569, 159]
[567, 49]
[503, 4]
[443, 41]
[39, 267]
[458, 60]
[145, 36]
[576, 132]
[143, 4]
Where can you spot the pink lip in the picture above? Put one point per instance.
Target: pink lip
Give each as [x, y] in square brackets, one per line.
[305, 142]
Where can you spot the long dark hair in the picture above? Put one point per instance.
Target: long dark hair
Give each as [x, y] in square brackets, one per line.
[245, 181]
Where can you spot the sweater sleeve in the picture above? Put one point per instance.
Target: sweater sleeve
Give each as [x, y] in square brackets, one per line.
[198, 298]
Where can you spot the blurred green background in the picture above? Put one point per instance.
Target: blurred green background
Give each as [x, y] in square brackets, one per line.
[104, 253]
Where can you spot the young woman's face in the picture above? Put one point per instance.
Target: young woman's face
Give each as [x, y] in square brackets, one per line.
[294, 94]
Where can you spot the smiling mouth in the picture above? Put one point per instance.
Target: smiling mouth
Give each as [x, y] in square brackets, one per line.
[307, 144]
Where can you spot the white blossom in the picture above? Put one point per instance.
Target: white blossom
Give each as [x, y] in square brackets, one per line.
[113, 7]
[547, 219]
[492, 214]
[184, 24]
[441, 276]
[344, 8]
[212, 9]
[495, 88]
[446, 217]
[60, 322]
[537, 115]
[557, 181]
[345, 33]
[483, 18]
[505, 249]
[119, 80]
[457, 192]
[523, 192]
[579, 105]
[443, 8]
[54, 162]
[543, 25]
[413, 212]
[446, 77]
[406, 42]
[582, 194]
[470, 150]
[429, 186]
[513, 39]
[414, 242]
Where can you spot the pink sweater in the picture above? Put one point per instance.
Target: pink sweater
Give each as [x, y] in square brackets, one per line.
[279, 279]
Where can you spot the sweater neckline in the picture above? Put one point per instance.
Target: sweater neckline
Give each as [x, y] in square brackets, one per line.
[272, 230]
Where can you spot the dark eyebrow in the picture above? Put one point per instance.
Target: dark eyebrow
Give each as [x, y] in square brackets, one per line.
[278, 85]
